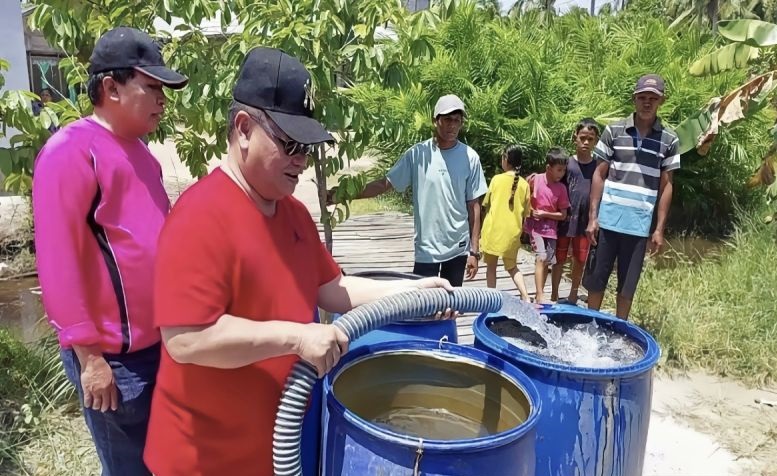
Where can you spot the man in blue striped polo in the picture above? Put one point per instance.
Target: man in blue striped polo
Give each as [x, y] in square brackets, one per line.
[633, 179]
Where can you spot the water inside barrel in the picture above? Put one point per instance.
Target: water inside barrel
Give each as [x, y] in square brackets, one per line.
[431, 423]
[422, 396]
[580, 344]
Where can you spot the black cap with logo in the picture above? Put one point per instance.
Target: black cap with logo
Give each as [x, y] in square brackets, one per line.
[279, 84]
[128, 48]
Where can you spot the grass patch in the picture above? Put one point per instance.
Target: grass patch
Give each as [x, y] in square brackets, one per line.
[32, 385]
[720, 313]
[62, 446]
[388, 202]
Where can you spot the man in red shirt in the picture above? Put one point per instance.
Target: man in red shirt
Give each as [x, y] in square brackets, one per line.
[239, 275]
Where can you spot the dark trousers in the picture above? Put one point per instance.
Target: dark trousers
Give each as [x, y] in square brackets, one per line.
[628, 250]
[120, 436]
[452, 270]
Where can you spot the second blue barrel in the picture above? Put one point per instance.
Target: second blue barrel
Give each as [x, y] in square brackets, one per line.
[594, 421]
[428, 408]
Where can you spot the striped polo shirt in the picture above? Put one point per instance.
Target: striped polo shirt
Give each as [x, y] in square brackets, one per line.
[631, 188]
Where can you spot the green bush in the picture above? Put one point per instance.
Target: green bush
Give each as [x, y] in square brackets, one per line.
[530, 86]
[32, 381]
[17, 366]
[719, 314]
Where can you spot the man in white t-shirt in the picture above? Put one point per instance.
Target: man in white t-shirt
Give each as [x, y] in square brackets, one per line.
[447, 182]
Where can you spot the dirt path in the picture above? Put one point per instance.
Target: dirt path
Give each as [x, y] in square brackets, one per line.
[704, 425]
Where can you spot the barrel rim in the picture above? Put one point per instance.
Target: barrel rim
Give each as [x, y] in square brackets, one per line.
[642, 337]
[520, 380]
[387, 275]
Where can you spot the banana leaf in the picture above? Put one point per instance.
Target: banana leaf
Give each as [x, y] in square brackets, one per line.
[699, 131]
[755, 33]
[733, 56]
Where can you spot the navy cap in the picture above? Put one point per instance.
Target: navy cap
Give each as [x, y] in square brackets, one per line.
[128, 48]
[279, 84]
[650, 83]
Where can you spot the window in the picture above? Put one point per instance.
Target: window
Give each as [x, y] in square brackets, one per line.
[45, 73]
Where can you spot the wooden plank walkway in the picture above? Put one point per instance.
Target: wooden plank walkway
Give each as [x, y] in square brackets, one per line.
[384, 241]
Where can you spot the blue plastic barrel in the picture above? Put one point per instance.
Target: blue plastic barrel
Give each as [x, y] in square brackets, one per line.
[399, 331]
[354, 446]
[594, 422]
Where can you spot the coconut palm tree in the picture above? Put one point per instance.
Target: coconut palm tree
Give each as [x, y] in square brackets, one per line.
[547, 7]
[492, 7]
[709, 12]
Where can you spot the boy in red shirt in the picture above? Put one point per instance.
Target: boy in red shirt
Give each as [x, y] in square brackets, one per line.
[239, 274]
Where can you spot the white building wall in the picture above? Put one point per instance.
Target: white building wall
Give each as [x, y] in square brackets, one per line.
[12, 50]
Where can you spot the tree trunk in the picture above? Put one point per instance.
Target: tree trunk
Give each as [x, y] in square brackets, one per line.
[318, 162]
[593, 7]
[712, 13]
[319, 157]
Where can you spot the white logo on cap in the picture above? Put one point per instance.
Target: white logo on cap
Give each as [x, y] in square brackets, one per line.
[650, 81]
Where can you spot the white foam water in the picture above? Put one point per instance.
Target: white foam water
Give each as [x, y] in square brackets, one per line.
[581, 345]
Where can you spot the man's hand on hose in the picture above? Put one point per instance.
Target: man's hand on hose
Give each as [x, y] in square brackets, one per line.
[321, 345]
[430, 283]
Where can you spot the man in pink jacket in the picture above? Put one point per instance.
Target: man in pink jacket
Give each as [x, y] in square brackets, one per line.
[99, 205]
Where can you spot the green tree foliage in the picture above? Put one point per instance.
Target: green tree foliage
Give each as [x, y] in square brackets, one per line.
[707, 13]
[752, 47]
[529, 86]
[343, 42]
[375, 87]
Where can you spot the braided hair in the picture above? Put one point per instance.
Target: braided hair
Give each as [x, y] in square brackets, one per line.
[514, 156]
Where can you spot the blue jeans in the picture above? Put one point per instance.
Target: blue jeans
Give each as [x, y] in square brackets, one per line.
[120, 436]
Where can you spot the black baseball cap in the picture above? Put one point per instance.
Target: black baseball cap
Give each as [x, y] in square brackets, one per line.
[279, 85]
[650, 83]
[128, 48]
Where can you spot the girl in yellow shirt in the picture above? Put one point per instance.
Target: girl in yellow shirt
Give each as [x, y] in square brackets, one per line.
[507, 203]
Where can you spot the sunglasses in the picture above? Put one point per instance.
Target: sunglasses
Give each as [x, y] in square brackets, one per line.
[290, 147]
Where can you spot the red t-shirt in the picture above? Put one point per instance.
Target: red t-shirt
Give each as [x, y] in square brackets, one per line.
[218, 254]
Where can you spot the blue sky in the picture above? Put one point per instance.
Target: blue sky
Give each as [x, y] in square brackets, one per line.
[561, 5]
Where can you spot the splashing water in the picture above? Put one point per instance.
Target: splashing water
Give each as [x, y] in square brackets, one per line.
[581, 345]
[526, 314]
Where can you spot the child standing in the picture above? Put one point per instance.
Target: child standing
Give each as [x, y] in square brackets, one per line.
[571, 232]
[549, 203]
[507, 203]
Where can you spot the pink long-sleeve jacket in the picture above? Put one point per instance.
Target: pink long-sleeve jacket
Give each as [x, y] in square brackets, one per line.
[98, 207]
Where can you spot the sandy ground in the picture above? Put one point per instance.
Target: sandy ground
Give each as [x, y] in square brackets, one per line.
[708, 426]
[700, 425]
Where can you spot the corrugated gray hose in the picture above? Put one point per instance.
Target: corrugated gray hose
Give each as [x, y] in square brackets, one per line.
[417, 305]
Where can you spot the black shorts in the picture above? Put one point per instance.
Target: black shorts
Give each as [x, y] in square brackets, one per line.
[630, 253]
[452, 270]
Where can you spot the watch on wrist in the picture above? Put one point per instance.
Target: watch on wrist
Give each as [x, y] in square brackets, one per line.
[476, 254]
